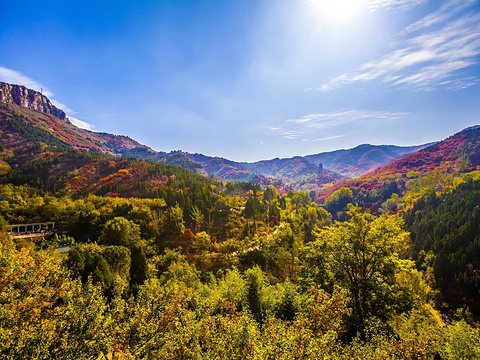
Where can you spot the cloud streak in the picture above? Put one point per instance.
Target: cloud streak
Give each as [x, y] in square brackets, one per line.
[375, 5]
[317, 127]
[444, 13]
[428, 61]
[14, 77]
[329, 137]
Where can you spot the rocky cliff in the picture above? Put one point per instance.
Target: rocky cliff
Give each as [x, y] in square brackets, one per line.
[28, 98]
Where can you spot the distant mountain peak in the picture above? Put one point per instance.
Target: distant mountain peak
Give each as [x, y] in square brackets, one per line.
[31, 99]
[474, 127]
[458, 153]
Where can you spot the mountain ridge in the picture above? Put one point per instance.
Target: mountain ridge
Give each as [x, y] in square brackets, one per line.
[456, 154]
[308, 173]
[31, 99]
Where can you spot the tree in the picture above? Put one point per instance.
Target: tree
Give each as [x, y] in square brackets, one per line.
[44, 313]
[202, 242]
[255, 283]
[288, 306]
[139, 266]
[364, 254]
[3, 224]
[75, 262]
[252, 208]
[274, 212]
[118, 259]
[120, 231]
[463, 342]
[270, 193]
[98, 269]
[175, 217]
[197, 217]
[338, 201]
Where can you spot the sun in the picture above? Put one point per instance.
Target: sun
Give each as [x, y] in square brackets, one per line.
[339, 12]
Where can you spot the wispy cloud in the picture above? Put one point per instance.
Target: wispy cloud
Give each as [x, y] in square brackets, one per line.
[429, 60]
[81, 124]
[375, 5]
[329, 137]
[444, 13]
[317, 127]
[14, 77]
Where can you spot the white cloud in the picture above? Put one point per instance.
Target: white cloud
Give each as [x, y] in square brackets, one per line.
[329, 137]
[316, 127]
[14, 77]
[426, 61]
[81, 124]
[444, 13]
[327, 120]
[375, 5]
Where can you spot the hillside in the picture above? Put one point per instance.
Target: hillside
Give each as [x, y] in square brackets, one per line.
[163, 262]
[27, 115]
[444, 232]
[362, 159]
[33, 116]
[296, 172]
[457, 154]
[307, 173]
[54, 156]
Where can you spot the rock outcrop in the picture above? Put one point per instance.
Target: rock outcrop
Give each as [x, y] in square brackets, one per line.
[28, 98]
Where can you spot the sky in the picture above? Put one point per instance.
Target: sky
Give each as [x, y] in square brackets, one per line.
[252, 79]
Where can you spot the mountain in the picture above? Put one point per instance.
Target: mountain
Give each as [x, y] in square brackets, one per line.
[32, 115]
[362, 159]
[51, 155]
[457, 154]
[309, 172]
[27, 115]
[296, 172]
[28, 98]
[30, 124]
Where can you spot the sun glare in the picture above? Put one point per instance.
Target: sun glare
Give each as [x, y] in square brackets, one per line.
[339, 12]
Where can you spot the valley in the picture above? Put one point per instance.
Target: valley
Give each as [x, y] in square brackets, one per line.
[369, 252]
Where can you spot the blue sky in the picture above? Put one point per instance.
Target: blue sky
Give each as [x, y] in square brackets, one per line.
[252, 79]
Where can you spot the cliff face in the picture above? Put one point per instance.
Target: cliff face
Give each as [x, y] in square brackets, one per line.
[29, 98]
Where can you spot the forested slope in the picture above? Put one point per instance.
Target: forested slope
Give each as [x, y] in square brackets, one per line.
[165, 263]
[445, 231]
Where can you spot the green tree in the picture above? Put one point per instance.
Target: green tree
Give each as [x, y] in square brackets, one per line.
[202, 242]
[288, 306]
[463, 342]
[255, 283]
[75, 262]
[176, 220]
[274, 212]
[197, 217]
[252, 208]
[97, 268]
[270, 193]
[120, 231]
[139, 266]
[338, 201]
[119, 260]
[3, 224]
[363, 255]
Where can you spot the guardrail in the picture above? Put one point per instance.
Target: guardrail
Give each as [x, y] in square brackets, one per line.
[31, 228]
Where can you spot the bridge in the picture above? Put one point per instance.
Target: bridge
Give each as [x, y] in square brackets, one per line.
[31, 229]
